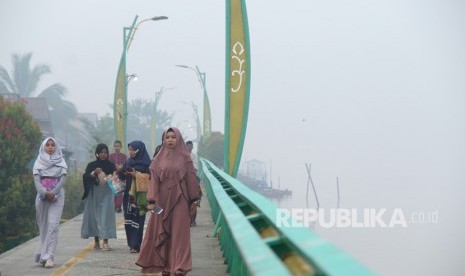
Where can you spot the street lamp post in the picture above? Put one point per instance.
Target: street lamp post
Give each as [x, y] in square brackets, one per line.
[153, 137]
[122, 80]
[197, 122]
[183, 131]
[155, 18]
[206, 103]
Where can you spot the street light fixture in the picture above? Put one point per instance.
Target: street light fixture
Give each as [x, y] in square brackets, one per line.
[130, 77]
[197, 120]
[158, 95]
[122, 80]
[189, 127]
[155, 18]
[201, 76]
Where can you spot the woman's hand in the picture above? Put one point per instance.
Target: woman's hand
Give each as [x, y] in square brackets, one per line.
[97, 171]
[151, 207]
[49, 196]
[130, 171]
[133, 174]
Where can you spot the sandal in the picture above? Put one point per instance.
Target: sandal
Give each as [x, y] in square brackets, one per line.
[49, 263]
[134, 250]
[106, 247]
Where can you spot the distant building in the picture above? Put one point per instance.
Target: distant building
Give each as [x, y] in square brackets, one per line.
[253, 174]
[38, 109]
[255, 169]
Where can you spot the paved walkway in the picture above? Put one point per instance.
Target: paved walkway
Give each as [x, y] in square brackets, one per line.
[75, 256]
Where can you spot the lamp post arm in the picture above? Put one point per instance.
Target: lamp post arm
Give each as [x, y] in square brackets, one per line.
[200, 77]
[153, 138]
[158, 96]
[206, 103]
[134, 32]
[128, 37]
[197, 73]
[137, 26]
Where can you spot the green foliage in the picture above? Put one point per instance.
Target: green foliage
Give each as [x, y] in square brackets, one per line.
[20, 138]
[73, 193]
[24, 79]
[212, 149]
[140, 114]
[102, 132]
[17, 206]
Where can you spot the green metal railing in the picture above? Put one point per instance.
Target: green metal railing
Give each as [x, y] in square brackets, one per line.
[253, 244]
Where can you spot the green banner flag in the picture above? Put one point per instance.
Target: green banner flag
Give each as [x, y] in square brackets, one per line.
[207, 122]
[197, 122]
[237, 83]
[120, 103]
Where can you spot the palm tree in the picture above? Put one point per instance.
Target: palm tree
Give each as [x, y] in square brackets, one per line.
[24, 81]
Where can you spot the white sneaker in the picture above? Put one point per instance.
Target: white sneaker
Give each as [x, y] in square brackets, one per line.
[49, 263]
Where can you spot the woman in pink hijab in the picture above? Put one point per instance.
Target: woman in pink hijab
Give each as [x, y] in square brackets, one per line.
[166, 246]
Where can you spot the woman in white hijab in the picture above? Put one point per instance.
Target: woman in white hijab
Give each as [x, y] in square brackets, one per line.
[49, 176]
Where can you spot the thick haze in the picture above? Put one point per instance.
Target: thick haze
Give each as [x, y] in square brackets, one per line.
[372, 92]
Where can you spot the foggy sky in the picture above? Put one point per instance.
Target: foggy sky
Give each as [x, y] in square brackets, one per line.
[372, 92]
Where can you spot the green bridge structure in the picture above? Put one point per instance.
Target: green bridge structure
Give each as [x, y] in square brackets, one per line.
[237, 233]
[253, 244]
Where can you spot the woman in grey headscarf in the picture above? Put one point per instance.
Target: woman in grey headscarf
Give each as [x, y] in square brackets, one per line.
[49, 176]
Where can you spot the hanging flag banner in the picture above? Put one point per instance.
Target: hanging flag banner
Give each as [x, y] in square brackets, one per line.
[207, 122]
[237, 83]
[197, 122]
[153, 124]
[120, 103]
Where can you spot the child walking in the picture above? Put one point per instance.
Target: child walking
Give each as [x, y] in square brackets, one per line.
[49, 176]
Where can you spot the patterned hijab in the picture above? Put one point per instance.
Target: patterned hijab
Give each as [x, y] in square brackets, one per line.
[50, 165]
[172, 163]
[142, 160]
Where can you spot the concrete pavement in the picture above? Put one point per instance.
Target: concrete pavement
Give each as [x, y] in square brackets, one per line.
[75, 256]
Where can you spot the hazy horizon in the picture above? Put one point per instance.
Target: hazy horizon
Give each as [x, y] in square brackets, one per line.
[370, 92]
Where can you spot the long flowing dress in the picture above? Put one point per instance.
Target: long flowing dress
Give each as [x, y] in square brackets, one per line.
[49, 176]
[99, 211]
[166, 245]
[134, 219]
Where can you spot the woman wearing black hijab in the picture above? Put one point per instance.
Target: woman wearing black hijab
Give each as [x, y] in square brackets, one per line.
[99, 212]
[134, 218]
